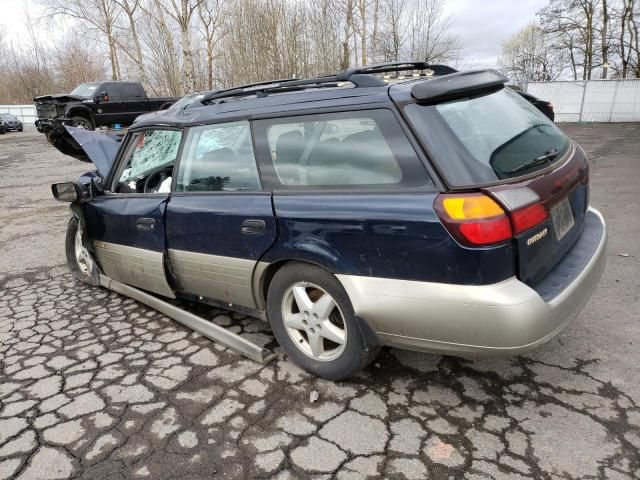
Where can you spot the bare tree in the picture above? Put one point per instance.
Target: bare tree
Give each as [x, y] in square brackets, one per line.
[574, 23]
[97, 15]
[181, 11]
[526, 57]
[130, 7]
[210, 12]
[429, 33]
[393, 29]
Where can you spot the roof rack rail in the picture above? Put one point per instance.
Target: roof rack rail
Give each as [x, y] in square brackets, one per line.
[359, 76]
[349, 74]
[264, 88]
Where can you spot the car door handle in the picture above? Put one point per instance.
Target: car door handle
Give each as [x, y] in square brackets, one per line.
[253, 227]
[146, 224]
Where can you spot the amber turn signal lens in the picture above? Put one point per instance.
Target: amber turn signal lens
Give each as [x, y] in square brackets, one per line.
[471, 207]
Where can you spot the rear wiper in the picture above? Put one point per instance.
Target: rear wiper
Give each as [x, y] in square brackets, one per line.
[548, 156]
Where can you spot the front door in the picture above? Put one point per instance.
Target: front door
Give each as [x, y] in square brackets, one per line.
[126, 225]
[219, 221]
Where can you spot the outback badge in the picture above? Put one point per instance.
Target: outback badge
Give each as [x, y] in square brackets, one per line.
[537, 236]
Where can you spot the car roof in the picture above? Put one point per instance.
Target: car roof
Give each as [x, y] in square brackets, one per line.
[253, 107]
[349, 88]
[357, 87]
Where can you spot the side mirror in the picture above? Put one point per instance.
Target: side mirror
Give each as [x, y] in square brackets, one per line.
[70, 192]
[101, 97]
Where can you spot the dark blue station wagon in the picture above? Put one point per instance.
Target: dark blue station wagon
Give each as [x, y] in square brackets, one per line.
[440, 212]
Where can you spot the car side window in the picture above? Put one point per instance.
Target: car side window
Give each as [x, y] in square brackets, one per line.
[114, 91]
[218, 158]
[132, 90]
[344, 149]
[149, 163]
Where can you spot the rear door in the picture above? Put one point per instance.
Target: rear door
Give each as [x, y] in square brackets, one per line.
[219, 220]
[134, 102]
[126, 225]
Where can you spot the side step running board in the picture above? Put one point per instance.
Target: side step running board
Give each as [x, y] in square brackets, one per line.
[198, 324]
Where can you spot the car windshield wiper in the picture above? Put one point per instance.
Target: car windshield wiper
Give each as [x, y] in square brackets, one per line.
[548, 156]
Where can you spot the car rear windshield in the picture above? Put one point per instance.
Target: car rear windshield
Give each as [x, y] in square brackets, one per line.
[85, 90]
[487, 138]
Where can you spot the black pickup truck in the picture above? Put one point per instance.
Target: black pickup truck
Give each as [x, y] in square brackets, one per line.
[97, 104]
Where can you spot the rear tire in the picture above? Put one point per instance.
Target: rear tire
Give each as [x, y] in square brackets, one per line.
[82, 122]
[79, 259]
[313, 320]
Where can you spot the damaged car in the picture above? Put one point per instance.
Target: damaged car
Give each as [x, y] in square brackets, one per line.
[97, 104]
[441, 213]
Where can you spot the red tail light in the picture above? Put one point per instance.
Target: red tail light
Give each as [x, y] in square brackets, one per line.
[473, 218]
[476, 219]
[528, 217]
[550, 105]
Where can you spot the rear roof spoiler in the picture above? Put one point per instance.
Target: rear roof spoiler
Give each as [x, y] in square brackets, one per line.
[458, 85]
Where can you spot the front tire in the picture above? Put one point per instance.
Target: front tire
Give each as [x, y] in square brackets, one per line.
[313, 320]
[82, 122]
[79, 259]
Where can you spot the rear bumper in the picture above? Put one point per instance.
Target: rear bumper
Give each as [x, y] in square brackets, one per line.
[509, 317]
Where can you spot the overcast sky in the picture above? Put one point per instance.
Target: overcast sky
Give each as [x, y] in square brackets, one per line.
[482, 25]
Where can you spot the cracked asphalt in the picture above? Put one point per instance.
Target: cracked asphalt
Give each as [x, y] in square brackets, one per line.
[94, 385]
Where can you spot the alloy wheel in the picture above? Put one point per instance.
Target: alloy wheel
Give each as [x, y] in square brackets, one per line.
[83, 257]
[81, 124]
[314, 321]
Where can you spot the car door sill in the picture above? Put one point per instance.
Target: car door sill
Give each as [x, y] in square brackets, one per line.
[208, 329]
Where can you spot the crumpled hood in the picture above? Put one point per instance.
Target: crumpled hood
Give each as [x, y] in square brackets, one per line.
[87, 146]
[60, 97]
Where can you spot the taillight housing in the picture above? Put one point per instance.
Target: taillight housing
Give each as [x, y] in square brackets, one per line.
[475, 219]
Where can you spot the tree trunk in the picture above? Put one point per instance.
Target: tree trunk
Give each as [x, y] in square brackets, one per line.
[138, 59]
[604, 40]
[113, 56]
[344, 61]
[363, 31]
[374, 36]
[188, 80]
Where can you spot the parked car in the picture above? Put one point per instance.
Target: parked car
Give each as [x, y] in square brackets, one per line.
[97, 104]
[10, 122]
[440, 214]
[3, 129]
[544, 106]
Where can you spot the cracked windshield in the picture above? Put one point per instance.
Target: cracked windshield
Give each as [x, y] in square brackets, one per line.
[154, 149]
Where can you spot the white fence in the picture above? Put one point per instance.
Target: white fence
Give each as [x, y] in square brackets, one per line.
[26, 113]
[591, 100]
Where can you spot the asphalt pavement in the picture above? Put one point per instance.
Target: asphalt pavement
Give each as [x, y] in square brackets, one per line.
[94, 385]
